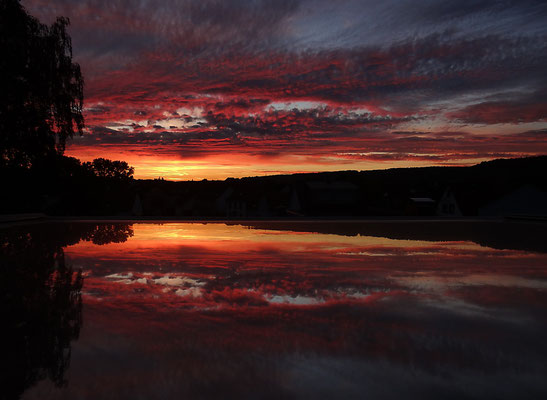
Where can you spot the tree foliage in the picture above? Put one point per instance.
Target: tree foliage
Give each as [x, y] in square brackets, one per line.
[42, 89]
[104, 168]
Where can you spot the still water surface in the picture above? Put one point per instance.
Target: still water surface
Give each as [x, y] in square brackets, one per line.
[193, 310]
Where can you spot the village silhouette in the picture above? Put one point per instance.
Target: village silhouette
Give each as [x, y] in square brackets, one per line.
[62, 186]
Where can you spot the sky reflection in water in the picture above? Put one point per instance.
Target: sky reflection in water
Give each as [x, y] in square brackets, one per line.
[215, 310]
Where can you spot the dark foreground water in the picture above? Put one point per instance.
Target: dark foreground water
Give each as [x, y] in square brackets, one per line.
[266, 311]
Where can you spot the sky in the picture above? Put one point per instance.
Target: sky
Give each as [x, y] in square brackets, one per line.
[211, 89]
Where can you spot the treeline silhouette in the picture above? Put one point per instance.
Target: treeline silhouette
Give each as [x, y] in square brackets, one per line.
[40, 300]
[62, 185]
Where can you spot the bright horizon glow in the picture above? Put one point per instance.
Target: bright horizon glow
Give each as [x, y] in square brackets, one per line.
[220, 167]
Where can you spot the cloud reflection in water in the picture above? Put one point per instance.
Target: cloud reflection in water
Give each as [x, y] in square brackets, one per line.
[216, 310]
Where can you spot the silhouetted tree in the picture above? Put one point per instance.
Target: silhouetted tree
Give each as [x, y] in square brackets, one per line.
[42, 89]
[104, 168]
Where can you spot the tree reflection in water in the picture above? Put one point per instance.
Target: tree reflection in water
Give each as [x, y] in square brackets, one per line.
[40, 301]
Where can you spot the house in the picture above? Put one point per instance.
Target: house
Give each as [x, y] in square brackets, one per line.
[186, 206]
[422, 206]
[448, 205]
[137, 206]
[237, 205]
[526, 200]
[221, 203]
[263, 209]
[294, 206]
[329, 198]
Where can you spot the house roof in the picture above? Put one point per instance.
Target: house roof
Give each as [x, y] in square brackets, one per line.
[422, 200]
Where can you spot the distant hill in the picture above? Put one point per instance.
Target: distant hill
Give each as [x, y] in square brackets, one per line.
[499, 187]
[391, 192]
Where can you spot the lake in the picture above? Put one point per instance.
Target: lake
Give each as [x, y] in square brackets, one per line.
[267, 310]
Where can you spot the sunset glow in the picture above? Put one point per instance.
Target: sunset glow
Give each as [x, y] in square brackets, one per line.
[191, 90]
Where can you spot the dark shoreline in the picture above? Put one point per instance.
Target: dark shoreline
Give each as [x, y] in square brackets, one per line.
[496, 233]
